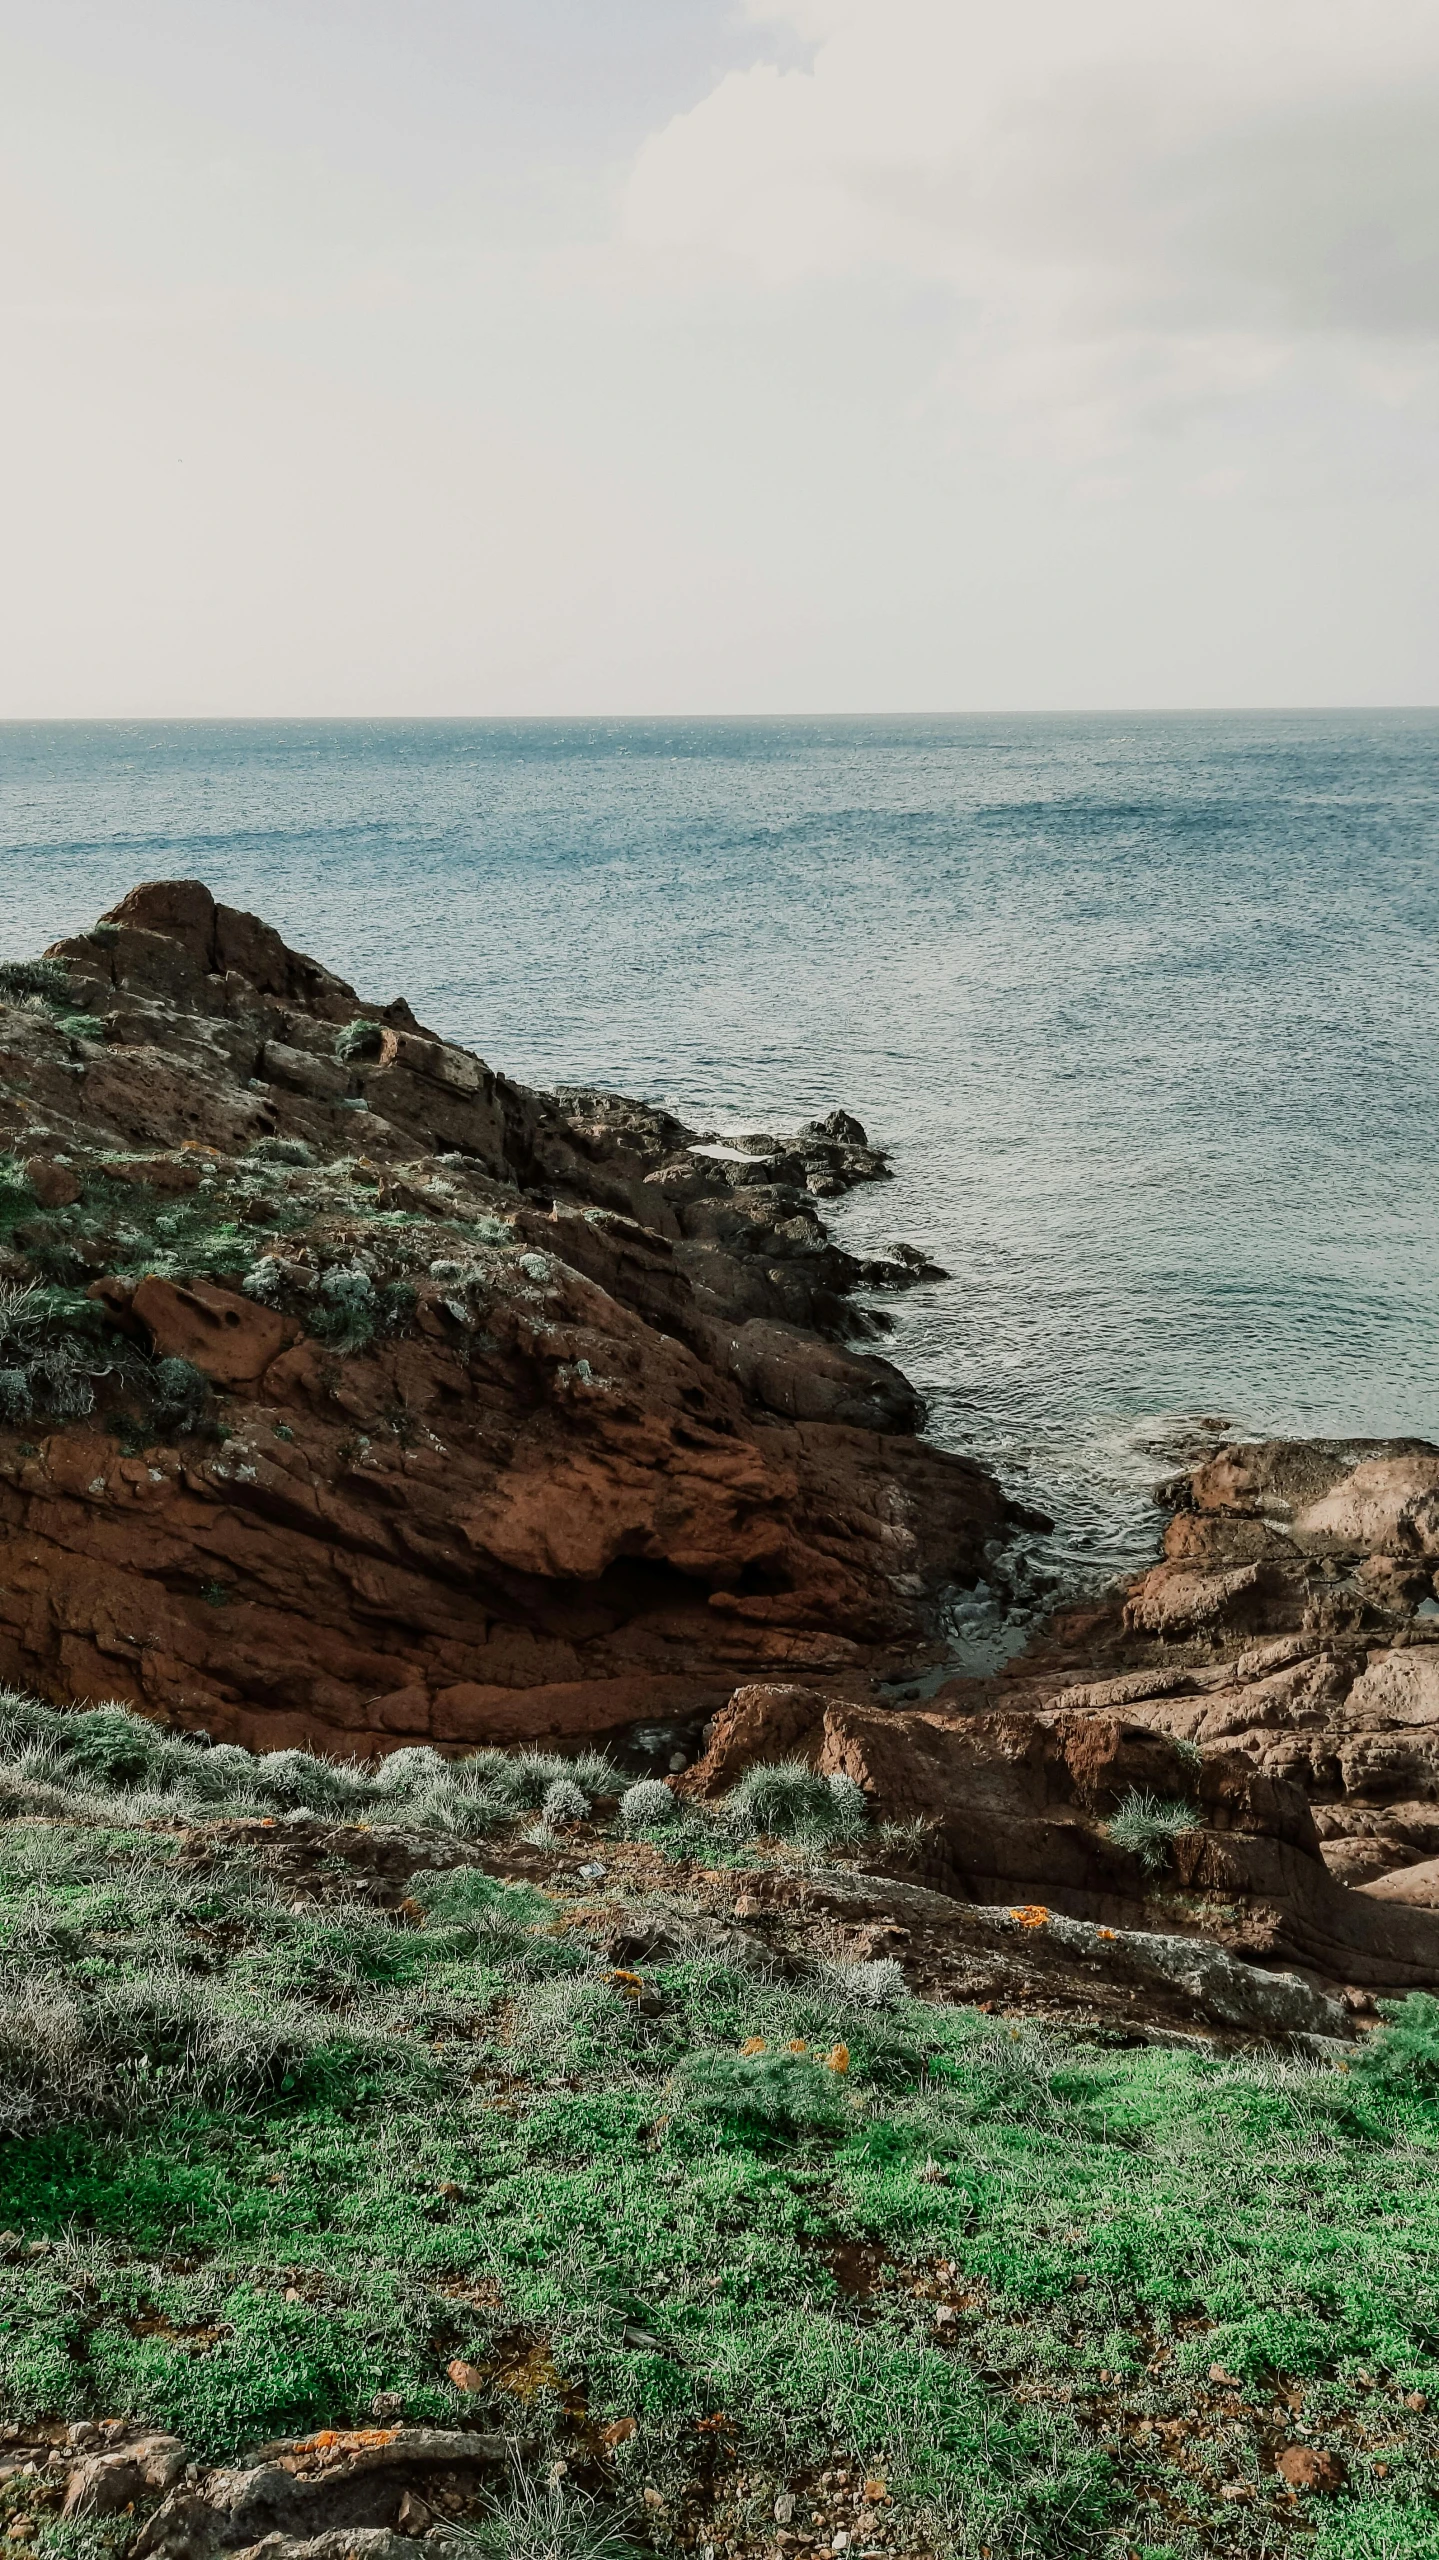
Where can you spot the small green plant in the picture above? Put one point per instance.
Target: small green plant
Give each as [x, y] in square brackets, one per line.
[82, 1026]
[1404, 2056]
[1147, 1826]
[546, 2520]
[17, 1398]
[787, 1800]
[762, 2093]
[182, 1395]
[647, 1806]
[358, 1040]
[565, 1802]
[462, 1897]
[345, 1314]
[47, 978]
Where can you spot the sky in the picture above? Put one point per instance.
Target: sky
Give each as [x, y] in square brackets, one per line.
[480, 357]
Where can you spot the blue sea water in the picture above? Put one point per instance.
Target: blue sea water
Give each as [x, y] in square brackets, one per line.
[1145, 1007]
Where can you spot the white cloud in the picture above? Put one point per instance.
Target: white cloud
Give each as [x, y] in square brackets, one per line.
[1259, 166]
[943, 356]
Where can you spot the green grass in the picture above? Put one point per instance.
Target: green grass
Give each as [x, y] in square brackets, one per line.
[1148, 1825]
[287, 2158]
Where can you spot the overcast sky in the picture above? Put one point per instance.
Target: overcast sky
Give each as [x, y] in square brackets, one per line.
[409, 356]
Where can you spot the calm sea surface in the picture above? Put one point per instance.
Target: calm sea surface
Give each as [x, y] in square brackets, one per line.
[1147, 1008]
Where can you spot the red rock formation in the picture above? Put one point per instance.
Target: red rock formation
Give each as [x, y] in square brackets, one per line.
[499, 1414]
[1017, 1808]
[1271, 1670]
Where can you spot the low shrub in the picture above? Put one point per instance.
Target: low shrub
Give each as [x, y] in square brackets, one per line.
[880, 1985]
[47, 978]
[182, 1396]
[345, 1310]
[647, 1806]
[565, 1802]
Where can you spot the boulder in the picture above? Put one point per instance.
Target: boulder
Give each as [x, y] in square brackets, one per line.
[229, 1338]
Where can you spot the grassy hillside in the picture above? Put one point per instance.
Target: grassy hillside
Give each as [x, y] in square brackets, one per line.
[311, 2115]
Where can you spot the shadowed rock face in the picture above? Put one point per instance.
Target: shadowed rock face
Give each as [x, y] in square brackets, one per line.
[376, 1399]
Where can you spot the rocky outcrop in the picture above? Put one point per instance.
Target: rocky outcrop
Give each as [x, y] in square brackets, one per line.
[352, 1394]
[1276, 1672]
[1019, 1808]
[1291, 1622]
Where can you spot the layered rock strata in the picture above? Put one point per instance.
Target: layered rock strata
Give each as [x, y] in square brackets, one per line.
[352, 1394]
[1271, 1686]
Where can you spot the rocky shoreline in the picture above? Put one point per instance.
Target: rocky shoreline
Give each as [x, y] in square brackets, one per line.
[500, 1414]
[353, 1396]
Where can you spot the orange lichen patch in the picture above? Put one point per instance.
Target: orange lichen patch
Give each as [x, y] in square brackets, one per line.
[1030, 1915]
[754, 2044]
[838, 2058]
[797, 2045]
[619, 2433]
[1109, 1933]
[350, 2438]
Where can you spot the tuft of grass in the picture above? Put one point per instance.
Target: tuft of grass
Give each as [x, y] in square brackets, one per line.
[545, 2520]
[649, 1805]
[1148, 1825]
[769, 2093]
[788, 1801]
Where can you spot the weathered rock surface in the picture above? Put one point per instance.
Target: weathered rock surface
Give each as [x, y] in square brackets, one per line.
[1270, 1672]
[374, 1398]
[1317, 1672]
[324, 2494]
[1017, 1808]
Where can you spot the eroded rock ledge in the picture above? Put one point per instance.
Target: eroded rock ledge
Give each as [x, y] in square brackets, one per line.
[366, 1396]
[1276, 1673]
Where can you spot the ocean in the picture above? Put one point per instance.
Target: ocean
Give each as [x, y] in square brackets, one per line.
[1144, 1006]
